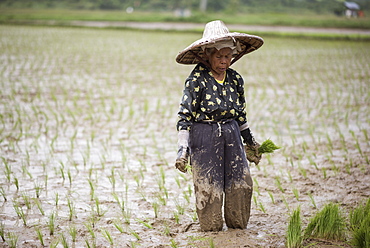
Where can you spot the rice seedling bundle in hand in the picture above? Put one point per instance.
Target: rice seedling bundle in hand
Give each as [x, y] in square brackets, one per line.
[267, 147]
[254, 153]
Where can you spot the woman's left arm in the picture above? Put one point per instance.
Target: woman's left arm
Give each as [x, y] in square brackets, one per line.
[241, 103]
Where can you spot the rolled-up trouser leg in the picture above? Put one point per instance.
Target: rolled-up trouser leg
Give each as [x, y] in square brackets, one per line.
[208, 174]
[238, 182]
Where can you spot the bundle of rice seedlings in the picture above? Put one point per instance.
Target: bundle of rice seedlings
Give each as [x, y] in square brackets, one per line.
[254, 152]
[267, 147]
[294, 233]
[359, 220]
[329, 224]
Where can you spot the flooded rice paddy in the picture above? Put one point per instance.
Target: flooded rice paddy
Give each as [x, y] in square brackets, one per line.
[88, 138]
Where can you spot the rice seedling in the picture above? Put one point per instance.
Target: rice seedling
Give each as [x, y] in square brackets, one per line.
[26, 172]
[112, 179]
[267, 147]
[133, 244]
[261, 207]
[3, 194]
[186, 196]
[120, 203]
[73, 232]
[12, 239]
[106, 234]
[145, 223]
[296, 193]
[294, 235]
[2, 231]
[180, 207]
[312, 162]
[64, 241]
[90, 228]
[194, 216]
[155, 207]
[211, 243]
[40, 236]
[271, 197]
[71, 208]
[26, 200]
[56, 199]
[21, 215]
[359, 220]
[100, 212]
[166, 229]
[127, 216]
[173, 243]
[302, 171]
[8, 169]
[176, 217]
[135, 234]
[178, 183]
[255, 200]
[324, 172]
[61, 169]
[54, 243]
[93, 217]
[278, 184]
[117, 224]
[285, 202]
[51, 223]
[16, 183]
[69, 177]
[329, 223]
[92, 189]
[39, 206]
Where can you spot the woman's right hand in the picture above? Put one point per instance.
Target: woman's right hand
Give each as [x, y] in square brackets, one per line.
[182, 159]
[183, 152]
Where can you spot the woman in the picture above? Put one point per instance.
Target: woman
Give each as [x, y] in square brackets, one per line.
[212, 123]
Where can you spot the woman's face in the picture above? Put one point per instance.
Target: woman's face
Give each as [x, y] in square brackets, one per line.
[220, 60]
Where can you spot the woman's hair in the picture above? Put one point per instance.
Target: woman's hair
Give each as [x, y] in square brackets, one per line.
[209, 51]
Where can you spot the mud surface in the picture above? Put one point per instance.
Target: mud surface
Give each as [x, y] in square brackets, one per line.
[88, 137]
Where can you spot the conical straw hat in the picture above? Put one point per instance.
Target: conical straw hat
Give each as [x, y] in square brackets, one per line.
[217, 32]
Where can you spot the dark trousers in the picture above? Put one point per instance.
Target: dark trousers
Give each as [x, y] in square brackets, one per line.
[220, 169]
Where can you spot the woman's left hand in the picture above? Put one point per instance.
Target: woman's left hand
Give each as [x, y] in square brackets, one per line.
[252, 153]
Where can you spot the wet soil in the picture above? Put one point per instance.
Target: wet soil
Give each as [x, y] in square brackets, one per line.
[89, 137]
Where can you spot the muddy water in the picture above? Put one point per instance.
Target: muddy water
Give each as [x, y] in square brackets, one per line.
[88, 132]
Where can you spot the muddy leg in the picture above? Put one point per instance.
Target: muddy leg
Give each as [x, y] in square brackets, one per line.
[238, 182]
[208, 174]
[238, 204]
[209, 205]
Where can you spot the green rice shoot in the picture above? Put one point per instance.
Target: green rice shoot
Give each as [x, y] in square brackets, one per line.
[268, 147]
[359, 219]
[294, 236]
[329, 224]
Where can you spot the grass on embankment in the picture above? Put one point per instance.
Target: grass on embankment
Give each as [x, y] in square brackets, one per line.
[62, 17]
[285, 19]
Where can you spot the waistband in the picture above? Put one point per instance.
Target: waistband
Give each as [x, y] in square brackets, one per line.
[215, 122]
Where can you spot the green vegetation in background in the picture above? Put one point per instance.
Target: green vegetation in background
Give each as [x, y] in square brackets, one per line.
[231, 6]
[285, 19]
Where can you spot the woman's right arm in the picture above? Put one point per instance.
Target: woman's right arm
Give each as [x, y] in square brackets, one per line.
[189, 103]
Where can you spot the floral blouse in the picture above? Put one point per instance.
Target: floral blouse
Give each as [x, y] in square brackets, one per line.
[206, 100]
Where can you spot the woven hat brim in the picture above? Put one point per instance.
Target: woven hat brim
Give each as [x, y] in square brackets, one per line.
[187, 55]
